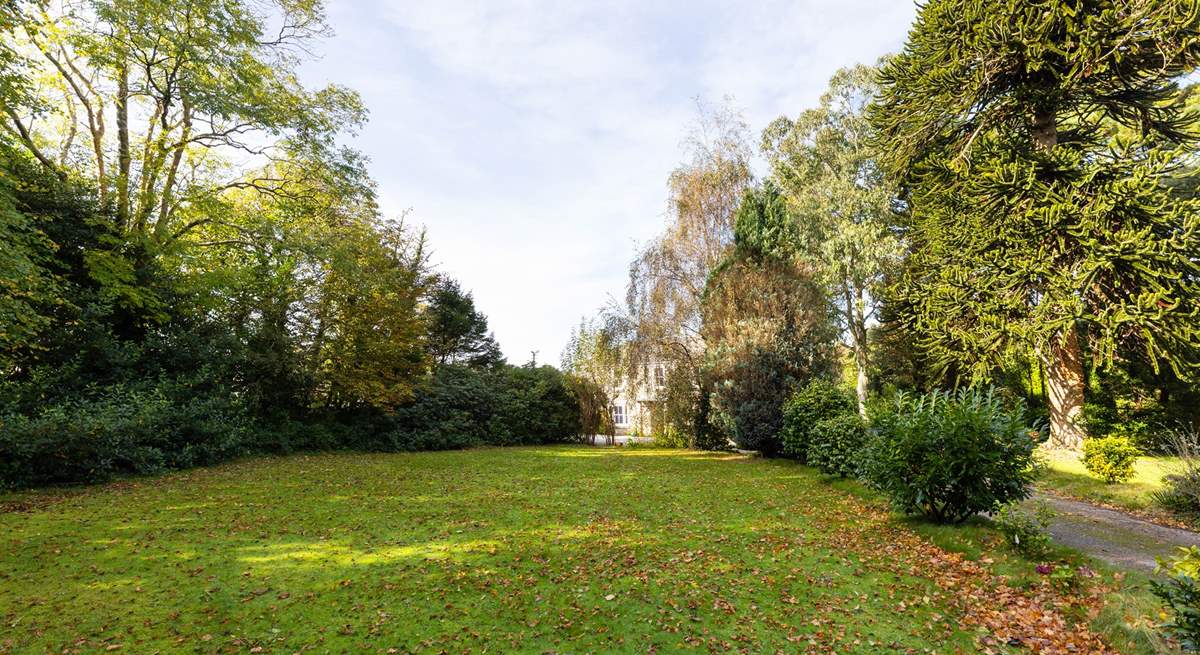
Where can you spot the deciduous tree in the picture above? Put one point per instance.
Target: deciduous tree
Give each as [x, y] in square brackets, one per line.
[825, 162]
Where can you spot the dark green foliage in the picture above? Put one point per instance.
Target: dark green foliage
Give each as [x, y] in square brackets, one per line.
[1110, 458]
[458, 333]
[121, 364]
[835, 444]
[751, 396]
[763, 227]
[1044, 151]
[119, 432]
[767, 323]
[820, 399]
[951, 455]
[1181, 593]
[462, 407]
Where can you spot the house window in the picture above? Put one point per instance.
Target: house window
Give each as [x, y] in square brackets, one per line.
[618, 414]
[659, 376]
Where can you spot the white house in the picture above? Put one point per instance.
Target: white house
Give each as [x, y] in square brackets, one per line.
[634, 399]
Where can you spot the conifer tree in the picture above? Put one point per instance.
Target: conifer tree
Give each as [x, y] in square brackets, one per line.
[1042, 147]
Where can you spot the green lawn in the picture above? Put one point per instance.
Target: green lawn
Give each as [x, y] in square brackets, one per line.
[1066, 475]
[555, 549]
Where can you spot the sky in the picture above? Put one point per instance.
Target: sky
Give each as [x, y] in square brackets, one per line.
[533, 138]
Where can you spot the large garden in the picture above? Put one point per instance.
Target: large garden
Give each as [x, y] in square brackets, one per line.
[534, 549]
[245, 407]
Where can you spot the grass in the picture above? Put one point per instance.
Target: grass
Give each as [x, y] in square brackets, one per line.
[1066, 475]
[552, 549]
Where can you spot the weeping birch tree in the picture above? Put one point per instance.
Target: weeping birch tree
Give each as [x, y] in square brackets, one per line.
[668, 277]
[826, 165]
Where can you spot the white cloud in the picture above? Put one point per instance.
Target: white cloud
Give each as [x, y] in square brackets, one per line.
[534, 138]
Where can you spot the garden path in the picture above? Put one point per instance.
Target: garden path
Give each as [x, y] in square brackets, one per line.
[1115, 537]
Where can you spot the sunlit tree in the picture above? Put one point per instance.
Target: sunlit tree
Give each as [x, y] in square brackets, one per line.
[1037, 224]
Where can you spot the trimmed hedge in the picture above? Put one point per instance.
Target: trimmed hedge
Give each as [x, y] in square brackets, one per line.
[820, 399]
[836, 443]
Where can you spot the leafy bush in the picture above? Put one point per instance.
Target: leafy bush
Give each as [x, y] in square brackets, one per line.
[173, 424]
[668, 436]
[1110, 458]
[1025, 531]
[1181, 593]
[750, 397]
[835, 444]
[951, 455]
[818, 400]
[120, 431]
[462, 407]
[1181, 489]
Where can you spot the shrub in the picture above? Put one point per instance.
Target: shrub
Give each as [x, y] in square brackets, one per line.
[749, 397]
[951, 455]
[668, 436]
[1110, 458]
[1025, 531]
[818, 400]
[1181, 593]
[835, 444]
[119, 432]
[1181, 490]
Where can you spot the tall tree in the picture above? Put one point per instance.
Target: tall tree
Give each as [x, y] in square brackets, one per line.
[825, 162]
[767, 322]
[154, 100]
[667, 279]
[1036, 224]
[458, 333]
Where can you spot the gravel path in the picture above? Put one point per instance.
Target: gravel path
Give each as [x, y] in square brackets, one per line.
[1115, 537]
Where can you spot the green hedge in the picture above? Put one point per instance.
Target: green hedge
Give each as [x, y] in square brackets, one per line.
[173, 424]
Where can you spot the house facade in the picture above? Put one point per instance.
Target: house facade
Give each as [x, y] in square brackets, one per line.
[634, 399]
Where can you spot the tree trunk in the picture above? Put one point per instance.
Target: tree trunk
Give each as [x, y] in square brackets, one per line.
[123, 157]
[1065, 386]
[858, 335]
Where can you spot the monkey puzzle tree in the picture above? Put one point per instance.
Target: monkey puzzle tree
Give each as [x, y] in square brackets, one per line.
[1040, 145]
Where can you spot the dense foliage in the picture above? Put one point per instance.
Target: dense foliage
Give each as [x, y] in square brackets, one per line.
[843, 204]
[767, 322]
[1110, 458]
[818, 400]
[1044, 150]
[1181, 593]
[162, 307]
[951, 455]
[836, 443]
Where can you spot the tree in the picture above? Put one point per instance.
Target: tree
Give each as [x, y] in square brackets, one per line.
[152, 99]
[373, 352]
[458, 333]
[667, 279]
[594, 359]
[767, 323]
[826, 165]
[1037, 222]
